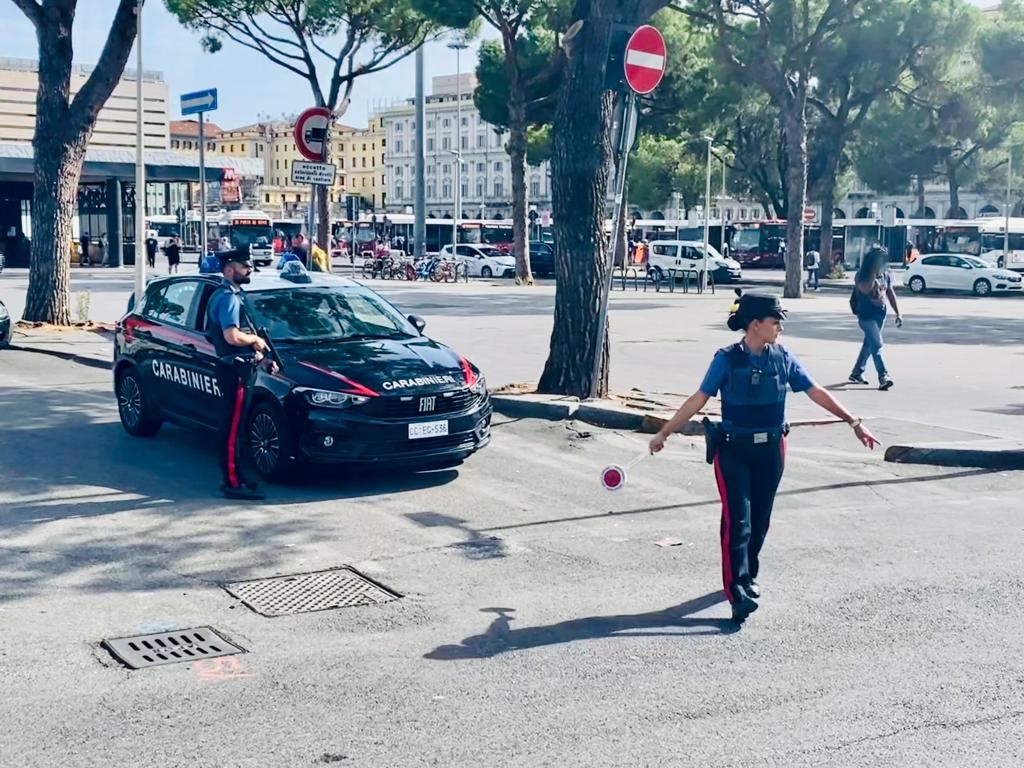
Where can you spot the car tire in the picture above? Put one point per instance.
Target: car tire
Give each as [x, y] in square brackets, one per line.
[134, 406]
[982, 287]
[268, 448]
[486, 272]
[916, 284]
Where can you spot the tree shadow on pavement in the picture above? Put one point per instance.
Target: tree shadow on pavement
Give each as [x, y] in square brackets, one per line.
[476, 545]
[500, 637]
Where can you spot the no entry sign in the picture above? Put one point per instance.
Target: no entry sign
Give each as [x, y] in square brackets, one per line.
[645, 59]
[311, 132]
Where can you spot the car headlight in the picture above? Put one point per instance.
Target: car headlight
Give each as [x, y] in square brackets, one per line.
[479, 387]
[324, 398]
[1005, 277]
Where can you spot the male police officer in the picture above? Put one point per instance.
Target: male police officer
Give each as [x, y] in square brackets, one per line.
[239, 350]
[748, 448]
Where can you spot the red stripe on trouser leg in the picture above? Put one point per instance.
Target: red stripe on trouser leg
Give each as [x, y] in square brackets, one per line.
[726, 526]
[233, 437]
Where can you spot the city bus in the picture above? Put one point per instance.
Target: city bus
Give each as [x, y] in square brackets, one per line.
[252, 229]
[285, 231]
[400, 228]
[167, 226]
[997, 249]
[759, 243]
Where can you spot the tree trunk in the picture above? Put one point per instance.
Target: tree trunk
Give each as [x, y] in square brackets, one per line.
[828, 204]
[796, 185]
[58, 167]
[920, 196]
[954, 191]
[581, 159]
[517, 156]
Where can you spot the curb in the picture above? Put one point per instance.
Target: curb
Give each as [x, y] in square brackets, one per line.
[90, 362]
[956, 457]
[608, 416]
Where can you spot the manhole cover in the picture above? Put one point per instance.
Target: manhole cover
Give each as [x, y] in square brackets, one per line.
[307, 592]
[158, 648]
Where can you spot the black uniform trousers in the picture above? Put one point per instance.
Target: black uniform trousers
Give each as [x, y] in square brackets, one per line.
[748, 469]
[234, 377]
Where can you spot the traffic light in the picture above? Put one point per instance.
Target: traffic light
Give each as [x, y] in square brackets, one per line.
[615, 73]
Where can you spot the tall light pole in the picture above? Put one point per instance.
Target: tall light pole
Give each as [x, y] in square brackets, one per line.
[420, 198]
[458, 45]
[722, 246]
[1009, 204]
[140, 167]
[707, 213]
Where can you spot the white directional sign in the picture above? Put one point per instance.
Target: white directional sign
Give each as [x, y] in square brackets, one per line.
[199, 101]
[313, 173]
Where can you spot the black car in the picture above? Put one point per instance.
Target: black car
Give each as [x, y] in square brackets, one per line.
[5, 325]
[542, 258]
[359, 383]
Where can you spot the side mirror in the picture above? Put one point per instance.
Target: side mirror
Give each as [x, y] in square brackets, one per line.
[418, 322]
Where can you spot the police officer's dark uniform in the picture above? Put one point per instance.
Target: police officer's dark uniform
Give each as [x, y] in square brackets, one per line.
[748, 448]
[151, 247]
[235, 375]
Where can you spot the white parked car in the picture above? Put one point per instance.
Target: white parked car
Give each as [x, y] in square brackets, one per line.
[685, 256]
[956, 272]
[482, 260]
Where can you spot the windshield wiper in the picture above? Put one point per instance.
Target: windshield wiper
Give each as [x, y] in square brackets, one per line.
[371, 336]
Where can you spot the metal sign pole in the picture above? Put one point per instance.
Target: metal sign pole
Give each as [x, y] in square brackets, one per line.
[626, 133]
[202, 189]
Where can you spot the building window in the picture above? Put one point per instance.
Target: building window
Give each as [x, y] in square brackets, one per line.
[298, 198]
[364, 147]
[341, 162]
[465, 142]
[447, 123]
[232, 147]
[266, 198]
[446, 190]
[398, 170]
[728, 213]
[430, 189]
[743, 213]
[446, 143]
[481, 141]
[364, 181]
[480, 188]
[714, 213]
[535, 188]
[446, 169]
[430, 123]
[465, 121]
[465, 189]
[399, 191]
[430, 145]
[364, 162]
[398, 146]
[277, 165]
[499, 188]
[479, 167]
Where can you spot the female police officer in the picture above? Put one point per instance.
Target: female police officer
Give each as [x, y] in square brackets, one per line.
[748, 449]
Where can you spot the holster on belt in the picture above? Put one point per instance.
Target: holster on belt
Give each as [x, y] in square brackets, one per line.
[712, 436]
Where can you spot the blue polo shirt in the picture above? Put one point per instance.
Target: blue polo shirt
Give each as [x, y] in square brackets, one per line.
[223, 312]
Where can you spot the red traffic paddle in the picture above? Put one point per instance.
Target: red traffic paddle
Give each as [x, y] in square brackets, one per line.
[613, 477]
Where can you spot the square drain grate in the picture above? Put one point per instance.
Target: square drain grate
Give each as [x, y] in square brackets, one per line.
[140, 651]
[308, 592]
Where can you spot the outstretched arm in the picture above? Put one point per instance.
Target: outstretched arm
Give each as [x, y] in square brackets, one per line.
[823, 398]
[686, 412]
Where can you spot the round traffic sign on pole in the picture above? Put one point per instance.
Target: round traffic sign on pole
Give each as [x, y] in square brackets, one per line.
[645, 59]
[311, 132]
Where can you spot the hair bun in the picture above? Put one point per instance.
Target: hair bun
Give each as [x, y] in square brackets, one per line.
[734, 322]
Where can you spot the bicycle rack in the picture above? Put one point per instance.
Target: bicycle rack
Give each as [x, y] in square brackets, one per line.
[626, 274]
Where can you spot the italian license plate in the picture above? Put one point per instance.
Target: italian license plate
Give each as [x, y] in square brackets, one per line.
[428, 429]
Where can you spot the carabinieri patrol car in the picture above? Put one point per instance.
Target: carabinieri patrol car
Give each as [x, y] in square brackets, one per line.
[358, 381]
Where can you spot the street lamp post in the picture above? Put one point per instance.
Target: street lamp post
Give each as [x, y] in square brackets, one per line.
[458, 45]
[707, 213]
[140, 167]
[1009, 205]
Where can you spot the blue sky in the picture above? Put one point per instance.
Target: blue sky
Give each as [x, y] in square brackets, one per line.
[175, 51]
[234, 71]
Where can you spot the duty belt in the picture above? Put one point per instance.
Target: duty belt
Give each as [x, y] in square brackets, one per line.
[716, 436]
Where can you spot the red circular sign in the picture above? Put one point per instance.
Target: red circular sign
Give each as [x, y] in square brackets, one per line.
[311, 131]
[613, 477]
[645, 59]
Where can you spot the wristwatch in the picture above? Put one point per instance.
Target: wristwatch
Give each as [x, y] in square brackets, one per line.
[856, 423]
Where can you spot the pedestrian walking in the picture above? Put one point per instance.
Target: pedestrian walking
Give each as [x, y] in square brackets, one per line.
[748, 447]
[151, 245]
[873, 286]
[240, 350]
[812, 263]
[299, 249]
[173, 253]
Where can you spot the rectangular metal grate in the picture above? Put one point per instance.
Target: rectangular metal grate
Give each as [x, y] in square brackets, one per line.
[172, 647]
[308, 592]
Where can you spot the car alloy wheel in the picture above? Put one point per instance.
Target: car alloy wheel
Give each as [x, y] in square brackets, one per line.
[486, 272]
[982, 287]
[129, 401]
[264, 443]
[917, 284]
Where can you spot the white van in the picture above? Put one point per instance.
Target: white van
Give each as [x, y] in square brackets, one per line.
[684, 257]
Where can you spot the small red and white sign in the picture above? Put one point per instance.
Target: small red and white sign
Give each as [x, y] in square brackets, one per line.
[645, 60]
[613, 477]
[311, 131]
[810, 214]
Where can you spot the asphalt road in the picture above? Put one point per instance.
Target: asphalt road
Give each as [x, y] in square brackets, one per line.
[543, 621]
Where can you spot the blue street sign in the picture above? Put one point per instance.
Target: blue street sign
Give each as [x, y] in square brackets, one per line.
[199, 101]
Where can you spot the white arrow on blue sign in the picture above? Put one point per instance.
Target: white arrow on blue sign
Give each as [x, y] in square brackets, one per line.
[199, 101]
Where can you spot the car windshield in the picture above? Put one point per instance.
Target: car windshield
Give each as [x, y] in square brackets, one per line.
[312, 315]
[491, 253]
[746, 240]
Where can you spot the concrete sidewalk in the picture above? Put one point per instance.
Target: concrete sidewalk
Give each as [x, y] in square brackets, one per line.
[88, 344]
